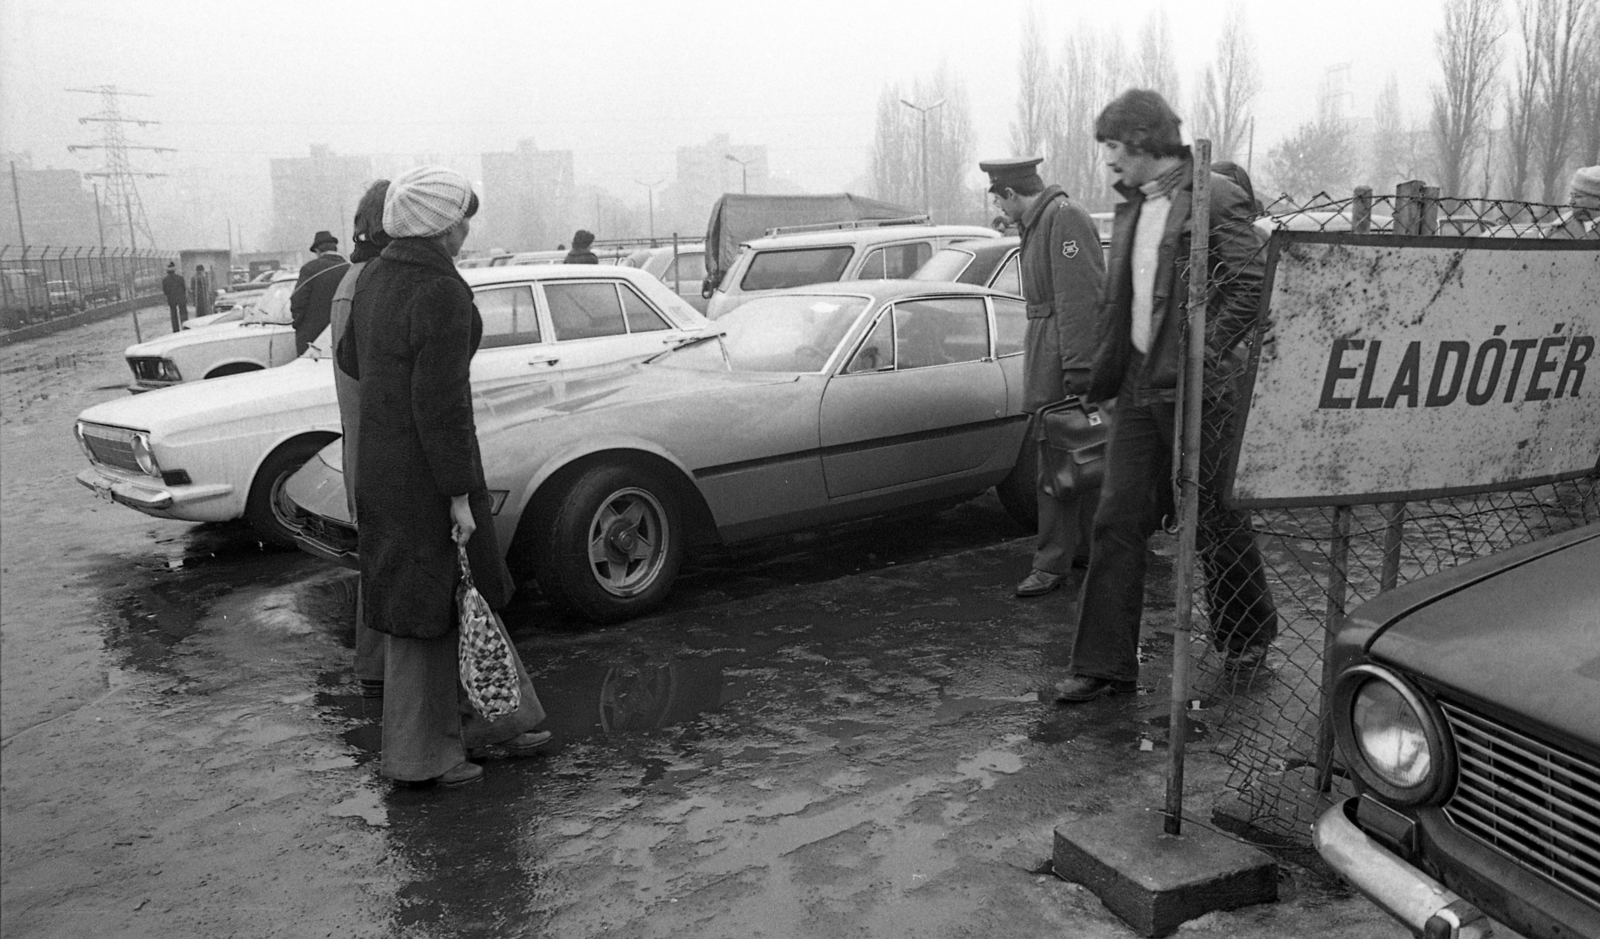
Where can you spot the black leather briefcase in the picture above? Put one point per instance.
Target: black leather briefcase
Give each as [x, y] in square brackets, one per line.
[1072, 437]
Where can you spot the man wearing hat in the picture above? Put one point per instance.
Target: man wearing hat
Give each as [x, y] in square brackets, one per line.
[1584, 196]
[1062, 270]
[200, 286]
[312, 301]
[177, 295]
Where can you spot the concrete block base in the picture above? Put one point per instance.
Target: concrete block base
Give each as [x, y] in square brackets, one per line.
[1156, 882]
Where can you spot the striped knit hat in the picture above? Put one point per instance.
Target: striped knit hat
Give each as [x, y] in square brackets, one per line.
[425, 202]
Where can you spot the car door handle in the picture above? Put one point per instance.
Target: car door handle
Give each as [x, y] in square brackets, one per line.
[550, 361]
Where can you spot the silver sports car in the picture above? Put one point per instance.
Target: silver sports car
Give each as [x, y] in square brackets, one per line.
[812, 406]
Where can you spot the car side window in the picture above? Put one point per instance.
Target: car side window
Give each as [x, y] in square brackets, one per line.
[1010, 326]
[877, 350]
[584, 310]
[940, 332]
[1009, 277]
[691, 269]
[894, 262]
[508, 317]
[641, 316]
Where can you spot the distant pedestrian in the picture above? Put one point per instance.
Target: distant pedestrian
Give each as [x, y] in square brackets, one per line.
[420, 489]
[177, 296]
[580, 253]
[1141, 345]
[200, 286]
[312, 300]
[1062, 267]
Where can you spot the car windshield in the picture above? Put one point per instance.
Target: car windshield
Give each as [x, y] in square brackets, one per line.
[273, 304]
[796, 267]
[945, 266]
[792, 333]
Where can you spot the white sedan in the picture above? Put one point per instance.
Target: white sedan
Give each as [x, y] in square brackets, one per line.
[219, 450]
[262, 337]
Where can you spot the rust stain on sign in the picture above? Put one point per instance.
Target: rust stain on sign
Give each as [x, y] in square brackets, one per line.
[1405, 369]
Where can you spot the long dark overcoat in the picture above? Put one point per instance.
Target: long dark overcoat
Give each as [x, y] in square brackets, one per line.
[413, 330]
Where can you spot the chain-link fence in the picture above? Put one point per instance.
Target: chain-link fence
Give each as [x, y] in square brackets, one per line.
[42, 284]
[1273, 584]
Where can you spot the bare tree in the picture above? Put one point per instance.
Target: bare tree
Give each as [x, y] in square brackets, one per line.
[1561, 26]
[1587, 102]
[1093, 69]
[1037, 91]
[1226, 89]
[1319, 155]
[894, 151]
[1521, 102]
[1469, 53]
[1156, 68]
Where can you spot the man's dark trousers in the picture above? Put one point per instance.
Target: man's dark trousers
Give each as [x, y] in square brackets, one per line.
[1138, 466]
[180, 312]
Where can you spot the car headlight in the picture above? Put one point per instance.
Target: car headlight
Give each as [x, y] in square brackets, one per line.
[169, 371]
[143, 455]
[1392, 736]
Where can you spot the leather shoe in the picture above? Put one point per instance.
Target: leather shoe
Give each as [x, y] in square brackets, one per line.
[528, 744]
[1081, 688]
[460, 774]
[1038, 583]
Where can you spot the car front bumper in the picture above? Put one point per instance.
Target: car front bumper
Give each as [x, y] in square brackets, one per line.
[1421, 903]
[195, 503]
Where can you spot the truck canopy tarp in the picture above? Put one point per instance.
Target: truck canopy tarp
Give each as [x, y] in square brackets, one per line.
[739, 218]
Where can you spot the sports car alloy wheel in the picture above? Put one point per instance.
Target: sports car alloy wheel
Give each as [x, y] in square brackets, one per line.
[628, 537]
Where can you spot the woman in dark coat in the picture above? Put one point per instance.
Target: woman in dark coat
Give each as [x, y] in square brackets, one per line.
[419, 482]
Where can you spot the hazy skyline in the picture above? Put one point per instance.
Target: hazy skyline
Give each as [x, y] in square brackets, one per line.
[621, 84]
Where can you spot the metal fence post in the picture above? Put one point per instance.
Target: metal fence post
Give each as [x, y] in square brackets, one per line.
[1338, 590]
[1189, 481]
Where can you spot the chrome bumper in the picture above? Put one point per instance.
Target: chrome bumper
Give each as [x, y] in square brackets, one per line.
[153, 498]
[1423, 904]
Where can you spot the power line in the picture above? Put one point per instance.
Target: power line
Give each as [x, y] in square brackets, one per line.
[122, 189]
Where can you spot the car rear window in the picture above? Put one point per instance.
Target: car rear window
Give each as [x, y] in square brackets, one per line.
[796, 267]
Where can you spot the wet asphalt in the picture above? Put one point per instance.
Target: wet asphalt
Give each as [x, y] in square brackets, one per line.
[834, 734]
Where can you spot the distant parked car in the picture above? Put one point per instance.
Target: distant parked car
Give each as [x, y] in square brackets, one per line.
[988, 263]
[1467, 708]
[683, 269]
[262, 338]
[64, 296]
[879, 252]
[817, 405]
[219, 450]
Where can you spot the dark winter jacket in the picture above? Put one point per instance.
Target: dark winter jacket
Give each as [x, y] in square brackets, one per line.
[412, 333]
[312, 300]
[1062, 270]
[173, 286]
[1237, 268]
[581, 256]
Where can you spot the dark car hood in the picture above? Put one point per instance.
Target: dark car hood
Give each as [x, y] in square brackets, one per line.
[1522, 636]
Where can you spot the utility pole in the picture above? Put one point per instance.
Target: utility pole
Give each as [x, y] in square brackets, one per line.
[651, 189]
[118, 170]
[744, 172]
[16, 197]
[927, 198]
[99, 223]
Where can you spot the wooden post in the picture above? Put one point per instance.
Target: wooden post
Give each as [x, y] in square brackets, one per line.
[1361, 211]
[1189, 484]
[1338, 589]
[1408, 207]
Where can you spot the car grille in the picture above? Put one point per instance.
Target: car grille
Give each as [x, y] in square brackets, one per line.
[112, 446]
[1534, 803]
[146, 368]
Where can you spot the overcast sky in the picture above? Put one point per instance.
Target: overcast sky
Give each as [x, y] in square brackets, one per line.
[622, 83]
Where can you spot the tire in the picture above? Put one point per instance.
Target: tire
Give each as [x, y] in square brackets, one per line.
[264, 509]
[1019, 491]
[610, 543]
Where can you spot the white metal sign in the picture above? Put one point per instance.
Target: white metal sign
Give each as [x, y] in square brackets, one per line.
[1415, 367]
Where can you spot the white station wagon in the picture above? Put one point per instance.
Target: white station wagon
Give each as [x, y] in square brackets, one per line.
[219, 450]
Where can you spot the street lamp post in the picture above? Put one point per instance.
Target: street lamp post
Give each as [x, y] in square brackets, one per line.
[744, 171]
[651, 189]
[927, 200]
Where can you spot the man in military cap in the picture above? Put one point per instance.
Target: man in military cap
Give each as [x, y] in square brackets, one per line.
[1062, 270]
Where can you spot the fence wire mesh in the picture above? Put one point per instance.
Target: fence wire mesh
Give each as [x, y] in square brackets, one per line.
[42, 284]
[1275, 582]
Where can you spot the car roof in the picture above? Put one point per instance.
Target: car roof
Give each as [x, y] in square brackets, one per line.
[988, 247]
[868, 236]
[516, 273]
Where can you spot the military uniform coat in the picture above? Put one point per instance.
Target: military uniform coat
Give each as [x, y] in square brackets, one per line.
[1062, 269]
[412, 333]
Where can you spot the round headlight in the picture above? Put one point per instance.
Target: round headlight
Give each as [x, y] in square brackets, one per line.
[1392, 736]
[143, 456]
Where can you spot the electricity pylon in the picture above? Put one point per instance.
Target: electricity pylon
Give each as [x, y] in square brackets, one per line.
[121, 189]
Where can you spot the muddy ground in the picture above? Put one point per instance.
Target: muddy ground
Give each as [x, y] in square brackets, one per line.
[834, 735]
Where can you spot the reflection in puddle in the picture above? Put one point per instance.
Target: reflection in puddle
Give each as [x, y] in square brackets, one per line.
[599, 700]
